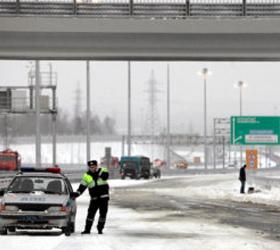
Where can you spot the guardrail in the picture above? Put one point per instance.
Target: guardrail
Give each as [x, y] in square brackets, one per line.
[73, 176]
[266, 178]
[163, 9]
[261, 178]
[6, 177]
[265, 182]
[5, 180]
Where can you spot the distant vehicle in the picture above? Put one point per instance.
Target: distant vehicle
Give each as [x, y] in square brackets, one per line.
[156, 167]
[155, 171]
[114, 162]
[38, 199]
[10, 160]
[135, 167]
[196, 160]
[181, 164]
[159, 163]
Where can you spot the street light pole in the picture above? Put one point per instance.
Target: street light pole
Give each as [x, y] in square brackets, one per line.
[88, 109]
[241, 85]
[204, 73]
[205, 121]
[38, 110]
[129, 110]
[168, 119]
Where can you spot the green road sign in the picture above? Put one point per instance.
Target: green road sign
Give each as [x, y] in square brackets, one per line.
[255, 130]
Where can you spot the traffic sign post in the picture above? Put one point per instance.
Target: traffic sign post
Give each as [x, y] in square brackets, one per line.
[255, 130]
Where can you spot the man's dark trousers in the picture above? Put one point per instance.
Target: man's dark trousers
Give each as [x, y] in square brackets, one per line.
[242, 189]
[102, 205]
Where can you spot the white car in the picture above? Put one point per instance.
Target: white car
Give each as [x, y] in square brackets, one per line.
[38, 199]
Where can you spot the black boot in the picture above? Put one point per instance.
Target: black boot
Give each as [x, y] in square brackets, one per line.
[100, 231]
[87, 227]
[100, 228]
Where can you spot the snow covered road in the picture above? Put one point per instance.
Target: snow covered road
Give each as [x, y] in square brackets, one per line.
[178, 213]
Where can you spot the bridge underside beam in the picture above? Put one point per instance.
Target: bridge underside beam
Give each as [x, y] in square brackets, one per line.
[107, 39]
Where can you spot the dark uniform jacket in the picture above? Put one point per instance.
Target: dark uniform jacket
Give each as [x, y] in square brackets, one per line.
[242, 174]
[96, 182]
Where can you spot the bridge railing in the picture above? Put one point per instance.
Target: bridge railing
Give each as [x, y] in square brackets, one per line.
[176, 9]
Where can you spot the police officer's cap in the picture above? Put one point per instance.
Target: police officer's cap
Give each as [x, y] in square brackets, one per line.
[92, 163]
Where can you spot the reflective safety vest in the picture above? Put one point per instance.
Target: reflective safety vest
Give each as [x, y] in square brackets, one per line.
[88, 181]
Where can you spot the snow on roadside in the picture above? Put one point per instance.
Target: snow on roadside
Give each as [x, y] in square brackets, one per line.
[226, 187]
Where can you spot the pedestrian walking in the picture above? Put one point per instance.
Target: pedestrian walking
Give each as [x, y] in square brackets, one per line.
[242, 178]
[95, 179]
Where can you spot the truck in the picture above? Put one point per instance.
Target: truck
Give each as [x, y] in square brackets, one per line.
[10, 160]
[135, 167]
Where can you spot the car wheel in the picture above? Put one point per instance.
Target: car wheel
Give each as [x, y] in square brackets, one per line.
[3, 231]
[146, 177]
[12, 229]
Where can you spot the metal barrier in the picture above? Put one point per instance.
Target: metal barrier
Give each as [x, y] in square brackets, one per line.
[266, 181]
[5, 179]
[163, 9]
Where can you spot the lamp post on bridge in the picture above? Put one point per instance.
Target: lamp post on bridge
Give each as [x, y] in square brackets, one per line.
[240, 85]
[205, 73]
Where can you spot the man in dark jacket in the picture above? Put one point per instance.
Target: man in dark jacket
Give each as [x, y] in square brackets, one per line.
[242, 178]
[96, 182]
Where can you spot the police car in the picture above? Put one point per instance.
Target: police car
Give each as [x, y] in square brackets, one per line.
[38, 199]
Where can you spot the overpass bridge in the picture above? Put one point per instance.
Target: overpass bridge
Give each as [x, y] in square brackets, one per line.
[242, 30]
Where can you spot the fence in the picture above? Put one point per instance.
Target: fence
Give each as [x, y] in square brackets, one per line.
[162, 9]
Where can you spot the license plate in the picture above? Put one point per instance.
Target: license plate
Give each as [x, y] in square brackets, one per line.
[30, 218]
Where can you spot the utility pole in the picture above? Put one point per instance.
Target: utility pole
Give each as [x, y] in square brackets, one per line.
[6, 134]
[214, 144]
[168, 119]
[129, 111]
[38, 109]
[88, 110]
[205, 73]
[152, 109]
[54, 113]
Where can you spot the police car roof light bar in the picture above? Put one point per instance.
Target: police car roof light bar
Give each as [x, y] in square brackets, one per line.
[54, 170]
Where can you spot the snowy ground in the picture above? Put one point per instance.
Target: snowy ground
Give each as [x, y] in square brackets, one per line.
[131, 229]
[226, 187]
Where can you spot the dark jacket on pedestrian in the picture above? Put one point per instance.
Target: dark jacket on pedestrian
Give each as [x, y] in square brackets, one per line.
[242, 173]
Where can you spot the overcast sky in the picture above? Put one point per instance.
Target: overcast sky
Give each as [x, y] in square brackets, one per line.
[109, 90]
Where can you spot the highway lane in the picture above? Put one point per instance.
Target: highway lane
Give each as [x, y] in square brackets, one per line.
[262, 218]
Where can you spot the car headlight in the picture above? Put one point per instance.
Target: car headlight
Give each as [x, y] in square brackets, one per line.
[54, 209]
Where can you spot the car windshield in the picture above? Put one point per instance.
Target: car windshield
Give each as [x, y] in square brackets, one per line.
[129, 164]
[29, 184]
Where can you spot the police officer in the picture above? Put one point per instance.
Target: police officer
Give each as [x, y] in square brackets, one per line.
[242, 178]
[96, 182]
